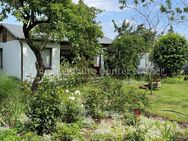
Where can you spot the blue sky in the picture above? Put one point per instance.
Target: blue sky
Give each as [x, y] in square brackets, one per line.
[112, 12]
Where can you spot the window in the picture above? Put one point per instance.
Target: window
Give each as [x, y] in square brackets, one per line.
[4, 35]
[66, 55]
[47, 57]
[1, 58]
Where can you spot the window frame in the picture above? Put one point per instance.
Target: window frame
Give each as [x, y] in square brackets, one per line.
[50, 66]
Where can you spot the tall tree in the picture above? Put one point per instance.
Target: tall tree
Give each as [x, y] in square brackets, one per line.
[130, 45]
[158, 15]
[54, 20]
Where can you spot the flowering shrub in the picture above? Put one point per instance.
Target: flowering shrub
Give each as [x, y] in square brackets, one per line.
[71, 106]
[146, 129]
[107, 97]
[151, 130]
[109, 130]
[103, 98]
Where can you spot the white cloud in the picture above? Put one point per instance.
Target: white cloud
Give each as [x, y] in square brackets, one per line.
[107, 5]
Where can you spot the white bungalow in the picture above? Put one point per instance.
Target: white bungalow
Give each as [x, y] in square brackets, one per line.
[17, 59]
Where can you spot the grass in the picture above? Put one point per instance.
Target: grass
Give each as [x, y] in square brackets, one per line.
[171, 97]
[170, 101]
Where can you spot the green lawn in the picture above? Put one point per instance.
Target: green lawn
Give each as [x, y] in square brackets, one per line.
[170, 97]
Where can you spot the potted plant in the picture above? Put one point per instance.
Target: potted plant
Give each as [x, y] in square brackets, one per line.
[137, 108]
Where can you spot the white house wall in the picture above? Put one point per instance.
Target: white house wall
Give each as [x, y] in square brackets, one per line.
[145, 64]
[11, 58]
[29, 59]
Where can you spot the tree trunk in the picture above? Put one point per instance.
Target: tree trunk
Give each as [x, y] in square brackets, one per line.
[40, 72]
[40, 68]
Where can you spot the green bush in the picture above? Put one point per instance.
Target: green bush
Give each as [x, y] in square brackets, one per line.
[135, 100]
[126, 53]
[12, 135]
[104, 97]
[44, 108]
[74, 74]
[114, 95]
[107, 96]
[30, 136]
[94, 102]
[71, 106]
[173, 80]
[9, 135]
[67, 132]
[171, 53]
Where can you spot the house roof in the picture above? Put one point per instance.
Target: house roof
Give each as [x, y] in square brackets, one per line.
[17, 31]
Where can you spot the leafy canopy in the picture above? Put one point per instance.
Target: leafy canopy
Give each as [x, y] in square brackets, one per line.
[56, 19]
[170, 53]
[127, 51]
[130, 45]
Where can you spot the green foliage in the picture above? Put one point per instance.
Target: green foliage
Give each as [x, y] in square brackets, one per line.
[94, 102]
[137, 135]
[9, 135]
[71, 107]
[135, 100]
[127, 51]
[107, 97]
[9, 87]
[12, 135]
[44, 108]
[12, 103]
[103, 97]
[75, 74]
[104, 137]
[153, 130]
[12, 111]
[112, 89]
[173, 80]
[55, 20]
[30, 136]
[84, 39]
[67, 132]
[170, 53]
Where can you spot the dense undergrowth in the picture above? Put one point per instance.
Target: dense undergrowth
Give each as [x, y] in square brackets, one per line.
[97, 109]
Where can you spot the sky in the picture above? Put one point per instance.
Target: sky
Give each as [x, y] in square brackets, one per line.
[111, 11]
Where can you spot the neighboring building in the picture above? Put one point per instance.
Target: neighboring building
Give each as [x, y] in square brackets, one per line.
[145, 65]
[17, 59]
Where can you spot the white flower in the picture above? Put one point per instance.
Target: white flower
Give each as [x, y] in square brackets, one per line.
[82, 105]
[67, 91]
[71, 97]
[77, 92]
